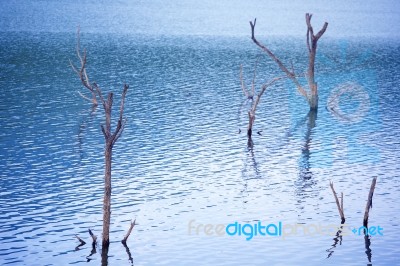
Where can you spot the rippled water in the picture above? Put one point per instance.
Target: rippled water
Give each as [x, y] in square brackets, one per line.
[181, 158]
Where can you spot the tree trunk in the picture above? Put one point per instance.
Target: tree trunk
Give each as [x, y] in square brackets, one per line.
[107, 194]
[104, 255]
[312, 41]
[110, 139]
[94, 99]
[369, 202]
[313, 98]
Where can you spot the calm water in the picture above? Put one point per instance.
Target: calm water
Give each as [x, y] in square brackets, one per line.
[180, 157]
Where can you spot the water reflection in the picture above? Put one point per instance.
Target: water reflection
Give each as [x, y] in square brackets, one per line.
[304, 163]
[104, 255]
[104, 251]
[92, 252]
[337, 239]
[305, 179]
[250, 161]
[250, 166]
[82, 129]
[367, 241]
[128, 252]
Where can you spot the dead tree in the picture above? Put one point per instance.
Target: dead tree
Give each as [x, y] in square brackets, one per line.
[369, 202]
[82, 72]
[255, 99]
[312, 40]
[110, 139]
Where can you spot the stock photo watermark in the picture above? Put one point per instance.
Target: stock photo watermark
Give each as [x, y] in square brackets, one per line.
[279, 229]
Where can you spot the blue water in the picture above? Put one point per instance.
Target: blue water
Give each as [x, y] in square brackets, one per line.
[180, 157]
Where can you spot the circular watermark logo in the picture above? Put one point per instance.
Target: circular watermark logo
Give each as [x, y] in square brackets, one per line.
[353, 93]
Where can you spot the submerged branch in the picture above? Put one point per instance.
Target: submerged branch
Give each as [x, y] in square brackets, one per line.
[289, 74]
[80, 240]
[94, 237]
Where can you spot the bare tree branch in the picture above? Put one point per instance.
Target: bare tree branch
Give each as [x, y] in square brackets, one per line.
[84, 97]
[263, 88]
[289, 74]
[120, 131]
[82, 71]
[96, 87]
[308, 22]
[243, 85]
[252, 110]
[129, 232]
[369, 202]
[78, 44]
[121, 122]
[322, 31]
[104, 131]
[253, 92]
[121, 108]
[310, 31]
[339, 206]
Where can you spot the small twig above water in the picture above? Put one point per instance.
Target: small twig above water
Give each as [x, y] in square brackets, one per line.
[129, 232]
[369, 202]
[339, 205]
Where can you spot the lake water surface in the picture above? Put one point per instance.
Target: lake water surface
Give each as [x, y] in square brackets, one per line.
[181, 157]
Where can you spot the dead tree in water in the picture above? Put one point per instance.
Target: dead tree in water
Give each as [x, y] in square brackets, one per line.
[339, 206]
[312, 40]
[110, 139]
[82, 72]
[369, 202]
[255, 99]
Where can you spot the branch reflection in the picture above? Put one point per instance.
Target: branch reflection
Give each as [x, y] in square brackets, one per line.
[128, 252]
[337, 239]
[305, 168]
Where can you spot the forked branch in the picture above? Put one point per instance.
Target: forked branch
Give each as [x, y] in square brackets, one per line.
[291, 75]
[242, 84]
[339, 206]
[263, 88]
[107, 105]
[81, 72]
[256, 100]
[310, 30]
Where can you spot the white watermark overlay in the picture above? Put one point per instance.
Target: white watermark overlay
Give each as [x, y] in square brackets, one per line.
[279, 229]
